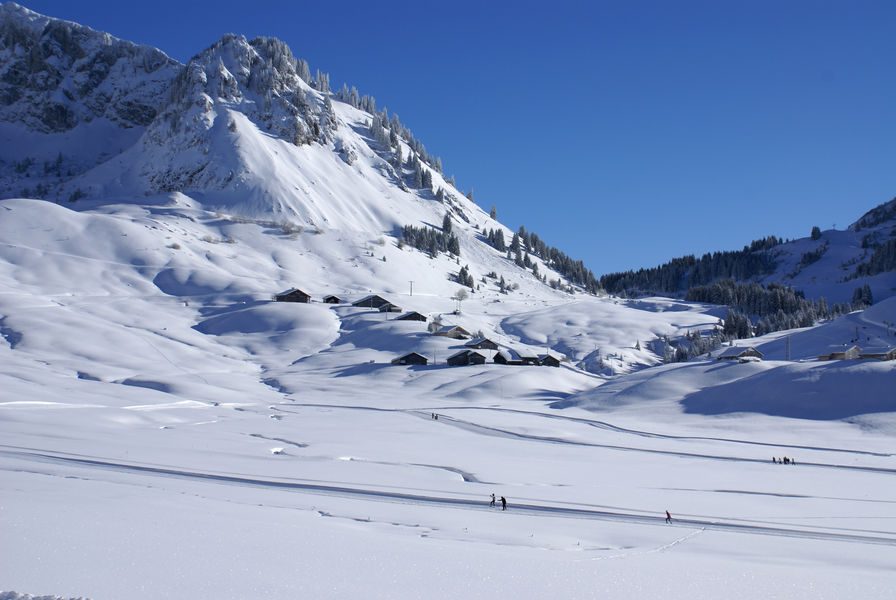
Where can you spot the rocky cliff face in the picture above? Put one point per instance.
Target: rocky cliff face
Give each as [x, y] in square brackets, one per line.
[55, 74]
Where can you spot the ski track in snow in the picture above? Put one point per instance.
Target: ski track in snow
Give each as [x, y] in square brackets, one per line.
[489, 430]
[662, 548]
[886, 538]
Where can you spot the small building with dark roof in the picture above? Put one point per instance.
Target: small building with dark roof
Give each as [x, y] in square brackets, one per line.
[739, 353]
[411, 316]
[548, 360]
[466, 357]
[412, 358]
[292, 295]
[481, 343]
[372, 301]
[332, 299]
[389, 307]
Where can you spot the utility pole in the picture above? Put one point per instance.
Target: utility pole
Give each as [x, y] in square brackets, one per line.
[412, 287]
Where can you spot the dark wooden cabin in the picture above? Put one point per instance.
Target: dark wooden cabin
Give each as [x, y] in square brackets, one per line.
[292, 295]
[372, 301]
[466, 357]
[412, 316]
[412, 358]
[481, 343]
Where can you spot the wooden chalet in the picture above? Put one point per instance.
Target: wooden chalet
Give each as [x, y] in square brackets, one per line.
[454, 331]
[388, 307]
[481, 343]
[292, 295]
[548, 360]
[412, 358]
[879, 353]
[528, 357]
[741, 353]
[372, 301]
[412, 316]
[850, 353]
[507, 357]
[466, 357]
[331, 299]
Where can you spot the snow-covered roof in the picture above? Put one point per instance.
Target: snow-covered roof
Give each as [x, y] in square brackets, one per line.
[737, 351]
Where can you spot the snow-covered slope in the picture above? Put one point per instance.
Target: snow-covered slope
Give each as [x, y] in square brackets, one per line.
[827, 266]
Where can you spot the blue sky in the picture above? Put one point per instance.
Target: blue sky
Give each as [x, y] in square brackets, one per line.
[624, 133]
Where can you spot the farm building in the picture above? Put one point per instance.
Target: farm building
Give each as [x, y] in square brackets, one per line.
[849, 353]
[411, 316]
[740, 353]
[389, 307]
[466, 357]
[482, 343]
[411, 358]
[528, 357]
[454, 331]
[879, 353]
[332, 299]
[507, 357]
[292, 295]
[372, 301]
[548, 360]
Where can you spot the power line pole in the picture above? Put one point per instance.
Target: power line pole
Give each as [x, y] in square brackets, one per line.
[412, 287]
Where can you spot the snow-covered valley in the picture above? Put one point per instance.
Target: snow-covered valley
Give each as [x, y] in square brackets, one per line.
[168, 430]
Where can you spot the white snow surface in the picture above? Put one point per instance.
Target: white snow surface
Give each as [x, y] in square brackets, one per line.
[164, 421]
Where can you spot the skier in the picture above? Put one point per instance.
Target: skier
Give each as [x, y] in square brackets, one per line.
[492, 503]
[668, 517]
[503, 503]
[774, 460]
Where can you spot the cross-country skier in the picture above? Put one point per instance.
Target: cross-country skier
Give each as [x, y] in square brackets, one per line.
[668, 517]
[503, 503]
[492, 503]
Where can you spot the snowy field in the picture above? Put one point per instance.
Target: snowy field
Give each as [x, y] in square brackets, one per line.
[168, 432]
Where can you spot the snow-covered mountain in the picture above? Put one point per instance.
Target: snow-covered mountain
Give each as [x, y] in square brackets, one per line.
[828, 264]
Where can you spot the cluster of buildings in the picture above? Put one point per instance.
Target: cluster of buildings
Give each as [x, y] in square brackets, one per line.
[749, 353]
[477, 351]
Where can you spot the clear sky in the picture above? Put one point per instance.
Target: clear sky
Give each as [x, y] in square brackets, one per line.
[622, 132]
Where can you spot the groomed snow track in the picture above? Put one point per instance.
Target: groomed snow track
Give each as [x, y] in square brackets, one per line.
[378, 495]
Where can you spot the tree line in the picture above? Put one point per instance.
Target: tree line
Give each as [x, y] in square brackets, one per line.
[525, 243]
[682, 273]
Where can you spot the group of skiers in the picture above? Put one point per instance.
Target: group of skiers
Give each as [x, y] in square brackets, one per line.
[783, 461]
[434, 416]
[503, 502]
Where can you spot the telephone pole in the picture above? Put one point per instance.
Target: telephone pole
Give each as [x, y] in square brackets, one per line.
[412, 287]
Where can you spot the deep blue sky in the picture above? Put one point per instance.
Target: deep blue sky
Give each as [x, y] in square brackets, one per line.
[624, 132]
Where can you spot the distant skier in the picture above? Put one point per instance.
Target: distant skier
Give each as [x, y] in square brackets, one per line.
[492, 503]
[668, 517]
[774, 460]
[503, 503]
